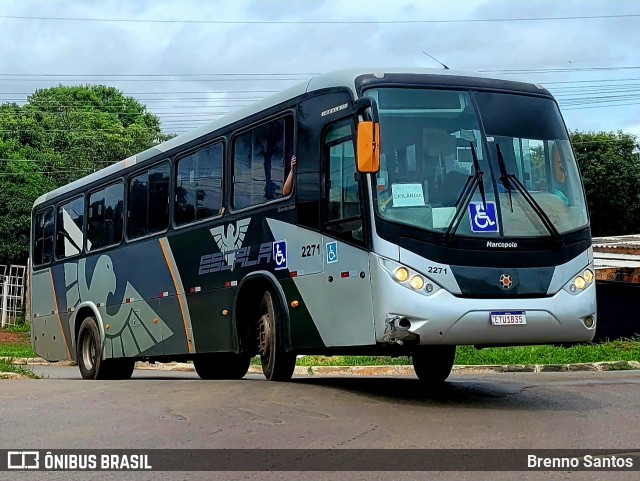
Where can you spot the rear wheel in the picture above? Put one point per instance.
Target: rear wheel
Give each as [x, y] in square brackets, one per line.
[221, 365]
[277, 363]
[89, 355]
[433, 364]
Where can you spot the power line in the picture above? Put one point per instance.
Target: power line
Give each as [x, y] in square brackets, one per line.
[177, 99]
[555, 70]
[165, 92]
[600, 106]
[251, 79]
[212, 74]
[316, 22]
[89, 112]
[591, 81]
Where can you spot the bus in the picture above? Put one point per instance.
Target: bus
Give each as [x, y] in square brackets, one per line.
[400, 212]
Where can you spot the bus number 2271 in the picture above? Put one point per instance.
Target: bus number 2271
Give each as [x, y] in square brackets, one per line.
[311, 250]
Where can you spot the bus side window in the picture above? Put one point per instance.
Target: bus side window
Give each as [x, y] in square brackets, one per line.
[69, 236]
[43, 237]
[261, 163]
[343, 213]
[199, 185]
[148, 208]
[105, 217]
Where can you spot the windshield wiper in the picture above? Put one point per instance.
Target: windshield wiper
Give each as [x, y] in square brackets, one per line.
[509, 180]
[473, 181]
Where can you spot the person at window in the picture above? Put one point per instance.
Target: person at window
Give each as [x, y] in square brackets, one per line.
[559, 176]
[288, 184]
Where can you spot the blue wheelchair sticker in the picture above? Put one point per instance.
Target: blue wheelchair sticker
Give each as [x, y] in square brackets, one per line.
[332, 252]
[483, 220]
[280, 254]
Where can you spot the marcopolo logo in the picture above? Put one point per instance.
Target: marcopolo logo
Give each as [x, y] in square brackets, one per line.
[502, 245]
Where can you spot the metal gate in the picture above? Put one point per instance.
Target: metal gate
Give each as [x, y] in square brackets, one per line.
[11, 293]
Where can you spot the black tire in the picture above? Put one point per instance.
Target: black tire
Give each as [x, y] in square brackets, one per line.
[277, 363]
[89, 355]
[433, 364]
[222, 365]
[89, 349]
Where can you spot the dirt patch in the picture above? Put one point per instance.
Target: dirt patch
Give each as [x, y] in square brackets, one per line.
[7, 337]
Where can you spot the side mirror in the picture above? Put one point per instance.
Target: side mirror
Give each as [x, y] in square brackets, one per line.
[368, 147]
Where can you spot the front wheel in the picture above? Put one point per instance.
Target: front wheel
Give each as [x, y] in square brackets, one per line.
[433, 364]
[277, 363]
[221, 365]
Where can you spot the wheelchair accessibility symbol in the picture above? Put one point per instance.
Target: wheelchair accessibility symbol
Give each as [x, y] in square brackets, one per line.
[332, 252]
[280, 254]
[483, 220]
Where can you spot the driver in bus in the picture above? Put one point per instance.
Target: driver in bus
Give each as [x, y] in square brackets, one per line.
[559, 175]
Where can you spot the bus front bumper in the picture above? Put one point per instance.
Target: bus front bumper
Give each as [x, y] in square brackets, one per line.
[443, 318]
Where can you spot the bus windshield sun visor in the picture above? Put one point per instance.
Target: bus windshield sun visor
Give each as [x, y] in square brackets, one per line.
[509, 181]
[473, 181]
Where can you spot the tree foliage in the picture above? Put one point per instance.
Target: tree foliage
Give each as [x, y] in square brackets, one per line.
[610, 167]
[61, 134]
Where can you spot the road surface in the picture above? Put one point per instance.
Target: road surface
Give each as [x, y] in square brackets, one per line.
[159, 409]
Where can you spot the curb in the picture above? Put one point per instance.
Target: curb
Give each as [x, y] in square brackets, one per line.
[12, 376]
[393, 370]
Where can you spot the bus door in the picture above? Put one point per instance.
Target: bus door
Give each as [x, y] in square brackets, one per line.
[346, 291]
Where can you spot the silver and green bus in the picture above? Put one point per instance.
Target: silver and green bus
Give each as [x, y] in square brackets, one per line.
[392, 212]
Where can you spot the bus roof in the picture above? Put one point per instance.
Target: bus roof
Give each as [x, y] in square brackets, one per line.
[340, 78]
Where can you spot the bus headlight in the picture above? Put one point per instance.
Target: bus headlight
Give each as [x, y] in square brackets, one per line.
[409, 278]
[588, 276]
[416, 282]
[581, 281]
[401, 274]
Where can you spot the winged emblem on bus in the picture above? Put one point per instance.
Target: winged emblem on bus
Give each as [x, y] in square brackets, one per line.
[230, 240]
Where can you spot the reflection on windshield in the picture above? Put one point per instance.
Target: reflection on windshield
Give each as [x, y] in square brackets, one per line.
[427, 143]
[427, 156]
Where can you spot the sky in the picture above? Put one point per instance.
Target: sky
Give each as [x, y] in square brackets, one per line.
[193, 61]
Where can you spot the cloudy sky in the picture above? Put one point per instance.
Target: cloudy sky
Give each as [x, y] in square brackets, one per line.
[190, 61]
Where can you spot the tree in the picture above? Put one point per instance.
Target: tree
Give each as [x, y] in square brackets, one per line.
[61, 134]
[610, 167]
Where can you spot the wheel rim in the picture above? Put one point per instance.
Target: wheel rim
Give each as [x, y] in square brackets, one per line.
[88, 351]
[265, 329]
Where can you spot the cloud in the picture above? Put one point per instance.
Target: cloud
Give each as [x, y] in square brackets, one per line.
[111, 48]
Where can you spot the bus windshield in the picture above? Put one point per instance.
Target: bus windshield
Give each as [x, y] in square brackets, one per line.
[429, 139]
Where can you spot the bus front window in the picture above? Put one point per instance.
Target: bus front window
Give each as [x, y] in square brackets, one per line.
[429, 139]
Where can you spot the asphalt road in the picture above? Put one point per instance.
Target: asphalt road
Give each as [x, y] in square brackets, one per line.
[173, 409]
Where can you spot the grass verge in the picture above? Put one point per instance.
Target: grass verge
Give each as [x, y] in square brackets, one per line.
[628, 350]
[16, 350]
[6, 366]
[15, 341]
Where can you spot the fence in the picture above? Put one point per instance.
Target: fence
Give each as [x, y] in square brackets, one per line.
[12, 285]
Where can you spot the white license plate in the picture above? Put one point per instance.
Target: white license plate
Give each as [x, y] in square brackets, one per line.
[508, 318]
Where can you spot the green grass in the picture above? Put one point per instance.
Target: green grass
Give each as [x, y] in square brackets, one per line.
[467, 355]
[20, 327]
[6, 366]
[16, 350]
[21, 347]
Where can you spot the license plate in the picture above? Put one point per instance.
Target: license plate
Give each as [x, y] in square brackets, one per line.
[508, 318]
